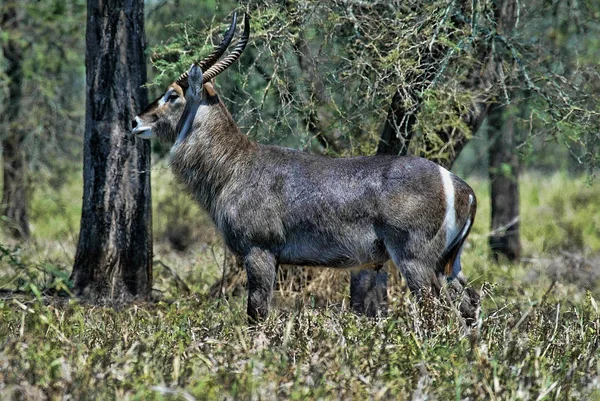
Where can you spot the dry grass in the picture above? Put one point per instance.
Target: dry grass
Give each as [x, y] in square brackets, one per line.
[537, 336]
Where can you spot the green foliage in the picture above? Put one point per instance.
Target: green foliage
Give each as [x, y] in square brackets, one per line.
[361, 54]
[174, 28]
[556, 213]
[51, 37]
[567, 217]
[331, 68]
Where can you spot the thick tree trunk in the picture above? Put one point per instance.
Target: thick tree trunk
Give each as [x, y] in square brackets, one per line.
[114, 253]
[14, 190]
[503, 171]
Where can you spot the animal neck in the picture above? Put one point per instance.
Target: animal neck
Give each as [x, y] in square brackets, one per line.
[211, 154]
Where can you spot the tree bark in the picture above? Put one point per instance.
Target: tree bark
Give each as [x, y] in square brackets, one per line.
[114, 253]
[504, 182]
[14, 190]
[503, 159]
[317, 94]
[397, 129]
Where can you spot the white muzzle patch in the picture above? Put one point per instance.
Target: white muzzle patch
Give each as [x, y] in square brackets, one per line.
[145, 133]
[141, 130]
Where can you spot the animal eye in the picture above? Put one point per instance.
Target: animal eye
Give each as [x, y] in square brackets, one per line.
[172, 97]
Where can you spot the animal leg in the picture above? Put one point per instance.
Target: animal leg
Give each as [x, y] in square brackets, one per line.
[261, 268]
[368, 292]
[457, 288]
[420, 275]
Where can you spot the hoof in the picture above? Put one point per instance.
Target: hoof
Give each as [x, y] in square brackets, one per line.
[470, 305]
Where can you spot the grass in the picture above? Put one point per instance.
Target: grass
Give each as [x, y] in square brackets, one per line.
[537, 337]
[203, 348]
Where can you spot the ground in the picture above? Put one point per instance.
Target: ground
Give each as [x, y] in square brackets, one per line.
[537, 336]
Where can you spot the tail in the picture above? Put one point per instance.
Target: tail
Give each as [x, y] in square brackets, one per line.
[450, 259]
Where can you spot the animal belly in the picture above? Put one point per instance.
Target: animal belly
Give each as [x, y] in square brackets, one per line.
[347, 251]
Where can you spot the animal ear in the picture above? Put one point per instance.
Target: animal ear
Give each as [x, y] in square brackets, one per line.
[210, 89]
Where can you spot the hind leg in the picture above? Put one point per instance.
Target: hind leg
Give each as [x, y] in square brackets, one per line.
[457, 288]
[423, 276]
[420, 273]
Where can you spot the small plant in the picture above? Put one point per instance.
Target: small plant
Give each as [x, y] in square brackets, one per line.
[20, 276]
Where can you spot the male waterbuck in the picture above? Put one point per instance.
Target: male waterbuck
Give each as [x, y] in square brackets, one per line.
[275, 205]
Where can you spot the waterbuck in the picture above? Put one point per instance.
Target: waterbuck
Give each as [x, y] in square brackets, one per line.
[275, 205]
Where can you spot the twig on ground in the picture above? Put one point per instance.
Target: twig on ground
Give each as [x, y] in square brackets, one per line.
[178, 280]
[221, 287]
[170, 391]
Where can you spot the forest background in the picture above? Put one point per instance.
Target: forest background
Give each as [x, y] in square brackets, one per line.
[504, 92]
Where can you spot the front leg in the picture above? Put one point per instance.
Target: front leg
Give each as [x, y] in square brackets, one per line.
[368, 292]
[261, 267]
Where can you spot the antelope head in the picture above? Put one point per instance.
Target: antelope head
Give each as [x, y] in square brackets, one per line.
[161, 117]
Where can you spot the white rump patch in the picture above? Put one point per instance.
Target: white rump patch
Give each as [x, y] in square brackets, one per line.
[450, 219]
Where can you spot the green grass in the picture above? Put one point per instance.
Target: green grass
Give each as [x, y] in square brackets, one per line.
[537, 337]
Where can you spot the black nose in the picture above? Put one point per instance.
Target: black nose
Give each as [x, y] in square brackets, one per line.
[134, 124]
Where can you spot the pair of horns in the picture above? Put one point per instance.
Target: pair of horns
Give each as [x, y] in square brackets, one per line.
[208, 66]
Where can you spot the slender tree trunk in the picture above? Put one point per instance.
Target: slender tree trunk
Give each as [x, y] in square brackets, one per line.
[503, 159]
[114, 253]
[503, 172]
[14, 190]
[317, 95]
[397, 129]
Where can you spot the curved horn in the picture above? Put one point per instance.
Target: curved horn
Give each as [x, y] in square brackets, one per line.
[219, 50]
[216, 53]
[231, 57]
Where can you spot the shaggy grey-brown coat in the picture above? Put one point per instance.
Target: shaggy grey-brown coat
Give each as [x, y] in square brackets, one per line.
[275, 205]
